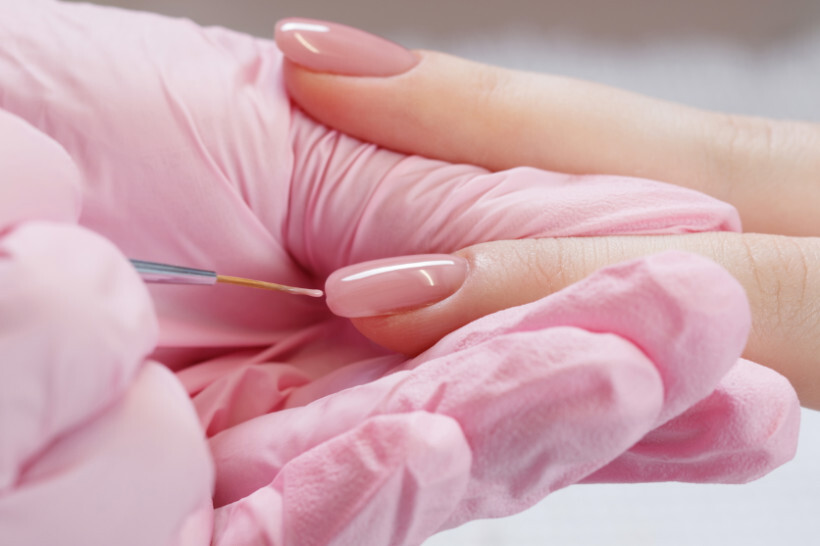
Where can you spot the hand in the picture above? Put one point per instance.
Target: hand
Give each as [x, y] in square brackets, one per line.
[90, 429]
[189, 152]
[500, 118]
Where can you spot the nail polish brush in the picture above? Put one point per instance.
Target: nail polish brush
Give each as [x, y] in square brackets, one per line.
[154, 272]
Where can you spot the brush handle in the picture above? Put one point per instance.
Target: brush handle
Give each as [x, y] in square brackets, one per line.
[173, 274]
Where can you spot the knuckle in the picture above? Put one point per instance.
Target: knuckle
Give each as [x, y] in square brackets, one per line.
[531, 255]
[782, 280]
[742, 136]
[738, 140]
[491, 86]
[535, 268]
[553, 264]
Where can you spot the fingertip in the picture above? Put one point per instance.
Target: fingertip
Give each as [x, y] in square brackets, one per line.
[403, 334]
[744, 429]
[755, 422]
[406, 303]
[386, 457]
[332, 100]
[404, 111]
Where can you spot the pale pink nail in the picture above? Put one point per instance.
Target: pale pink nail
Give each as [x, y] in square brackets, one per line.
[339, 49]
[391, 285]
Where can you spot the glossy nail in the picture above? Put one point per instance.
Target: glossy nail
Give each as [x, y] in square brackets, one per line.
[387, 286]
[338, 49]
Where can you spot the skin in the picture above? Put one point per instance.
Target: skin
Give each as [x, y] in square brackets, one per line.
[768, 169]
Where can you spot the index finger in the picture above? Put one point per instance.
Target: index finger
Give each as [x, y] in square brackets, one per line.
[466, 112]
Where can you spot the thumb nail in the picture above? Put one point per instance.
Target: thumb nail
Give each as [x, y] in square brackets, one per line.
[391, 285]
[338, 49]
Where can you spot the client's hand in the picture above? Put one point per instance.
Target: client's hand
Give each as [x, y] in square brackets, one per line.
[189, 152]
[451, 109]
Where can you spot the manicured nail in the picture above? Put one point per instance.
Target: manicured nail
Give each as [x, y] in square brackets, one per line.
[387, 286]
[339, 49]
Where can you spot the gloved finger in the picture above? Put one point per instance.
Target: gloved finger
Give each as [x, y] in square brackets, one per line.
[540, 410]
[748, 425]
[534, 381]
[392, 479]
[356, 202]
[40, 181]
[379, 92]
[779, 275]
[132, 475]
[75, 326]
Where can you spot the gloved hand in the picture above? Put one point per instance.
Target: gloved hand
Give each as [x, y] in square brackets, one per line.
[189, 152]
[95, 440]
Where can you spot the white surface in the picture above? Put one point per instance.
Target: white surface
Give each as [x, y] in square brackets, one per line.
[759, 57]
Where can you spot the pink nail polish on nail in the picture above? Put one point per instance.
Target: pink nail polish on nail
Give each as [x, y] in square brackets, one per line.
[390, 285]
[339, 49]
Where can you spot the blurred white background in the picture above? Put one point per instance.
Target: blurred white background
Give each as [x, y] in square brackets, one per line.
[747, 56]
[759, 57]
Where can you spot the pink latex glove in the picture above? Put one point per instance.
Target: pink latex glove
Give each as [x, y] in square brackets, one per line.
[189, 152]
[91, 434]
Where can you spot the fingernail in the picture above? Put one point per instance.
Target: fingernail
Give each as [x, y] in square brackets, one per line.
[387, 286]
[339, 49]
